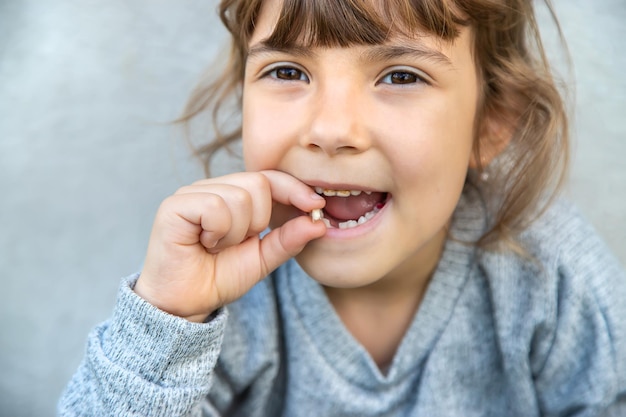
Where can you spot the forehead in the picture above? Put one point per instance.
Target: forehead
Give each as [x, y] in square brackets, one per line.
[328, 23]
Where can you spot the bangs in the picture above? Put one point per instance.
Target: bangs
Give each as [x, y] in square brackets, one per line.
[329, 23]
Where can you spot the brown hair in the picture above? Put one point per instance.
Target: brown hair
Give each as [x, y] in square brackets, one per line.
[518, 90]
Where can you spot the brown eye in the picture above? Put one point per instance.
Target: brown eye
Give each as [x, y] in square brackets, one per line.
[402, 77]
[288, 74]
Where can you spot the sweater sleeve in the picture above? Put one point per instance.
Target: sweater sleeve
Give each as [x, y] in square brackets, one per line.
[145, 362]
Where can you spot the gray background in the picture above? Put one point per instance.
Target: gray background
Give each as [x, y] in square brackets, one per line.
[86, 155]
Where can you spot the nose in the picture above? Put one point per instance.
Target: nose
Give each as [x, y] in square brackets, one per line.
[336, 118]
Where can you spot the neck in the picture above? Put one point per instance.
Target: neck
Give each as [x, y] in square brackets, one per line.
[379, 314]
[377, 320]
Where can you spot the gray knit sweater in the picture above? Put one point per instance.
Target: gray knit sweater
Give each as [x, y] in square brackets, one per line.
[496, 335]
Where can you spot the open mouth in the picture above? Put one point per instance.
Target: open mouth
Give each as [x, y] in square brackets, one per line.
[346, 209]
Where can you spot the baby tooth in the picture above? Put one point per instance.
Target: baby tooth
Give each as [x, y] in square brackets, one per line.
[330, 193]
[348, 224]
[362, 220]
[319, 190]
[327, 223]
[355, 192]
[343, 193]
[316, 214]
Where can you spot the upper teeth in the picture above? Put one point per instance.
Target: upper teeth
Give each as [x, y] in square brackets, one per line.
[338, 193]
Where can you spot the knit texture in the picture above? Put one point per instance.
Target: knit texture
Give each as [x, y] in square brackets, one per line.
[495, 335]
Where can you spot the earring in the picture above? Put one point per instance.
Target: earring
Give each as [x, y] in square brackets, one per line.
[484, 172]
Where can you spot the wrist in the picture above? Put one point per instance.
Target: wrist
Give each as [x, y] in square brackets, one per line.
[176, 307]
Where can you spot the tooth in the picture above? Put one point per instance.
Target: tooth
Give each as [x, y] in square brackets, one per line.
[368, 192]
[319, 190]
[355, 192]
[327, 223]
[316, 214]
[329, 193]
[348, 224]
[369, 214]
[362, 220]
[343, 193]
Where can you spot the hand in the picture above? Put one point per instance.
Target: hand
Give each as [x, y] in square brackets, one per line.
[205, 250]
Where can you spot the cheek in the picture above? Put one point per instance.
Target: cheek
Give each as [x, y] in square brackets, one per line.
[261, 136]
[435, 141]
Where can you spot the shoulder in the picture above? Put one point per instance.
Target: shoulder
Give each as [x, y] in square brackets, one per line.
[576, 265]
[566, 256]
[563, 250]
[561, 243]
[584, 320]
[569, 290]
[566, 245]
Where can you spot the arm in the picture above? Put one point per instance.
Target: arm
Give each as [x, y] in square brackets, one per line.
[144, 362]
[204, 253]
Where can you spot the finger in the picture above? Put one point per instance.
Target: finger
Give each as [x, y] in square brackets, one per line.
[242, 210]
[287, 241]
[284, 188]
[287, 189]
[186, 219]
[252, 183]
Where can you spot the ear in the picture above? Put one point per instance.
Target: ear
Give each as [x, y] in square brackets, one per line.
[494, 136]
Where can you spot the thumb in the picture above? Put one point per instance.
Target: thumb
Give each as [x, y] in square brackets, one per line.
[287, 241]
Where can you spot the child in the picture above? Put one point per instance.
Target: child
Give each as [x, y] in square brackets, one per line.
[404, 155]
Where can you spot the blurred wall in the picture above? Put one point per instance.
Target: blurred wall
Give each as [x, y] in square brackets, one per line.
[86, 155]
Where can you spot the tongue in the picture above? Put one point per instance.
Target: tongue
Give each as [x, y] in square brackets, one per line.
[353, 207]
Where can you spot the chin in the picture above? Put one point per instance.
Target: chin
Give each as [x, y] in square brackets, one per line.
[337, 273]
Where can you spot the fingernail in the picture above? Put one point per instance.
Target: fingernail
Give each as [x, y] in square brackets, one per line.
[316, 196]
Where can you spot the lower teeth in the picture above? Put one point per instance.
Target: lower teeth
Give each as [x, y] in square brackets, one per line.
[348, 224]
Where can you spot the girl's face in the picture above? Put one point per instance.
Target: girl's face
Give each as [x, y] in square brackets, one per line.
[396, 120]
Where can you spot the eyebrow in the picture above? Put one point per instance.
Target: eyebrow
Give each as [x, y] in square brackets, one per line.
[263, 48]
[391, 52]
[374, 54]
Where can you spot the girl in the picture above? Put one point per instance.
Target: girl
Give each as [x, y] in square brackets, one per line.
[403, 155]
